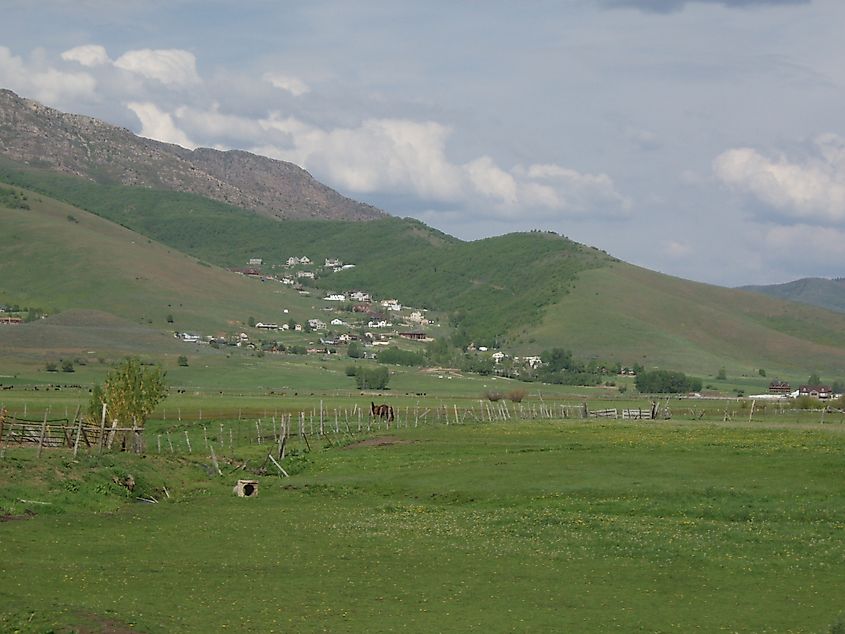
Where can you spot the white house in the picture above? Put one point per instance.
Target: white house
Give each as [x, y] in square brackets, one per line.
[305, 260]
[287, 280]
[497, 357]
[381, 323]
[256, 261]
[189, 338]
[263, 326]
[335, 297]
[302, 274]
[338, 322]
[333, 263]
[317, 324]
[391, 304]
[360, 296]
[532, 362]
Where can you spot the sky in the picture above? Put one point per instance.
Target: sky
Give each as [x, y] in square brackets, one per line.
[699, 138]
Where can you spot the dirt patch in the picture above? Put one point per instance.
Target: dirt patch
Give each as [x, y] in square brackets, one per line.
[89, 623]
[379, 441]
[27, 514]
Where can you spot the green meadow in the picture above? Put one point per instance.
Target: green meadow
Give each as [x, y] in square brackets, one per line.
[553, 525]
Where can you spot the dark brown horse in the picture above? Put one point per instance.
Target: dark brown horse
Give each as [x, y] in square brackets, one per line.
[382, 411]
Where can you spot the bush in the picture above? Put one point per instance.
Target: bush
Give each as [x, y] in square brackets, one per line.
[666, 382]
[805, 402]
[397, 356]
[51, 367]
[354, 351]
[67, 365]
[372, 378]
[351, 370]
[182, 361]
[516, 396]
[493, 395]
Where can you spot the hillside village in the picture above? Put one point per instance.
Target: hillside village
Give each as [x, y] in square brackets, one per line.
[346, 317]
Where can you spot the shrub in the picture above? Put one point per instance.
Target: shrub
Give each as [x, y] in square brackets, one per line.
[805, 402]
[666, 382]
[182, 361]
[51, 367]
[351, 370]
[67, 365]
[493, 395]
[397, 356]
[372, 378]
[516, 396]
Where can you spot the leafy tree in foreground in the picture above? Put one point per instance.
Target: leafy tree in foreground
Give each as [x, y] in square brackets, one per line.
[130, 392]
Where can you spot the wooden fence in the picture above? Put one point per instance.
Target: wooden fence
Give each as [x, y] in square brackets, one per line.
[320, 422]
[66, 433]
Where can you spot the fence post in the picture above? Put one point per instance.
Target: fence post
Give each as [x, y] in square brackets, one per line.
[41, 437]
[78, 432]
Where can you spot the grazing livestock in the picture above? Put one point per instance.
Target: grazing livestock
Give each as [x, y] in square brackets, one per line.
[382, 411]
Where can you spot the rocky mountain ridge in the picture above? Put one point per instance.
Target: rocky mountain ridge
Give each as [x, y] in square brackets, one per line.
[74, 144]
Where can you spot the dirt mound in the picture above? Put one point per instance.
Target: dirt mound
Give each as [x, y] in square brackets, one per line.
[379, 441]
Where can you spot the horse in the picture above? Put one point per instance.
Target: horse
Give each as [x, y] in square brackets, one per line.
[382, 411]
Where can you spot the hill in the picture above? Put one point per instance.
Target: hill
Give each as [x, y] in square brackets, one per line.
[143, 251]
[488, 284]
[815, 291]
[58, 257]
[34, 134]
[624, 312]
[525, 292]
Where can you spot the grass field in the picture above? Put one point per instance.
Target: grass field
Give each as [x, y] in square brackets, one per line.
[543, 526]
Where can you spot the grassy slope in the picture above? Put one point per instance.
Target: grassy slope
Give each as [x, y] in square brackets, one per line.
[503, 285]
[54, 262]
[815, 291]
[632, 314]
[494, 282]
[535, 527]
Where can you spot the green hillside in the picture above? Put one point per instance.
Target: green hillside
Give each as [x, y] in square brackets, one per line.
[815, 291]
[526, 292]
[492, 283]
[57, 257]
[634, 315]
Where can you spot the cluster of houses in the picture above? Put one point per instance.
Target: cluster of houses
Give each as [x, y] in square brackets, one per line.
[782, 388]
[253, 269]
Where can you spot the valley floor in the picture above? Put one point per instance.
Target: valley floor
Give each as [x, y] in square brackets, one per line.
[502, 527]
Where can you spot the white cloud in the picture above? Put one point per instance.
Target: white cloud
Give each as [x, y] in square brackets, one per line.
[36, 80]
[169, 66]
[677, 250]
[293, 85]
[409, 157]
[805, 247]
[490, 180]
[809, 190]
[157, 124]
[88, 55]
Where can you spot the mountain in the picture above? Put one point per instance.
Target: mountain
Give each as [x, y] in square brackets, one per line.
[36, 135]
[815, 291]
[141, 252]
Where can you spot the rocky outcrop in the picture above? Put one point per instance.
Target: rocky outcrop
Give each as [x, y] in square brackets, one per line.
[43, 137]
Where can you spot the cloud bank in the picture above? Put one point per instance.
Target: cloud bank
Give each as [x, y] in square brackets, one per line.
[670, 6]
[809, 190]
